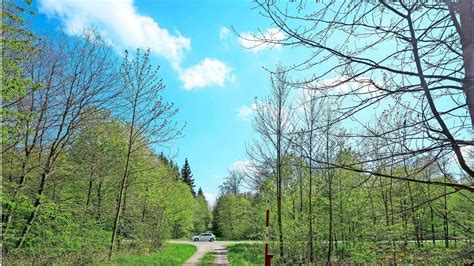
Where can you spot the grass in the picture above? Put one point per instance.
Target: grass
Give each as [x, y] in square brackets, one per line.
[245, 254]
[170, 255]
[207, 259]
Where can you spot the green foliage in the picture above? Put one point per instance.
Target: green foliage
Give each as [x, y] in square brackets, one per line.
[372, 218]
[169, 254]
[18, 46]
[75, 220]
[202, 217]
[58, 236]
[245, 254]
[233, 217]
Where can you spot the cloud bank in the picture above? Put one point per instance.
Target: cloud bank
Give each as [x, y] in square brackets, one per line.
[119, 22]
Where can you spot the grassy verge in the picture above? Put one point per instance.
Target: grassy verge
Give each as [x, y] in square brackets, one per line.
[245, 254]
[207, 259]
[170, 254]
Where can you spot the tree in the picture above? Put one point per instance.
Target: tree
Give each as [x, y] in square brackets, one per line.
[149, 117]
[77, 76]
[232, 183]
[272, 123]
[406, 60]
[202, 213]
[232, 217]
[307, 144]
[187, 176]
[18, 48]
[200, 193]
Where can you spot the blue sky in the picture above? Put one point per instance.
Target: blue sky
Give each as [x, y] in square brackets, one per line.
[209, 75]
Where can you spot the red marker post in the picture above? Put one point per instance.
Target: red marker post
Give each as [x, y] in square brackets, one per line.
[268, 257]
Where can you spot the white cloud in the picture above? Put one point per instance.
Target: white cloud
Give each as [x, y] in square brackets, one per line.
[245, 112]
[256, 42]
[119, 22]
[210, 197]
[208, 72]
[242, 166]
[223, 32]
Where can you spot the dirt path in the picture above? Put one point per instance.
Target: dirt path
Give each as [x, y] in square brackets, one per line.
[217, 248]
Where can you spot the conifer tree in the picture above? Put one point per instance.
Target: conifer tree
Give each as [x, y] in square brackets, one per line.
[200, 193]
[187, 176]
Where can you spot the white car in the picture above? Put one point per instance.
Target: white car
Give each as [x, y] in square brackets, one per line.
[204, 237]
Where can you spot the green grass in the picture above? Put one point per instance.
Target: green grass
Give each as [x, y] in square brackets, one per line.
[207, 259]
[245, 254]
[170, 255]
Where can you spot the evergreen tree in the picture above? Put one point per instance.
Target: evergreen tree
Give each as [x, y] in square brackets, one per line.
[187, 176]
[200, 193]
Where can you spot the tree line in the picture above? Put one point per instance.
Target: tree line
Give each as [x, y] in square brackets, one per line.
[81, 127]
[327, 214]
[363, 148]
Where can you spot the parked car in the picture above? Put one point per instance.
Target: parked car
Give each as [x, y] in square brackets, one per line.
[204, 237]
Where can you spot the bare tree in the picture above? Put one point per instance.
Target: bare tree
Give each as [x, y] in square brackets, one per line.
[417, 56]
[310, 112]
[273, 123]
[232, 183]
[149, 118]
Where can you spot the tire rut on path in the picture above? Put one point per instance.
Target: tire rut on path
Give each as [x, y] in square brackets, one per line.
[220, 256]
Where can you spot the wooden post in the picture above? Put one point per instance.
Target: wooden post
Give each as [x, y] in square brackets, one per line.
[268, 257]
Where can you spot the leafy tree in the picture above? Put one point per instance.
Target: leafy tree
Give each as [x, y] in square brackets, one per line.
[150, 119]
[232, 215]
[18, 47]
[202, 214]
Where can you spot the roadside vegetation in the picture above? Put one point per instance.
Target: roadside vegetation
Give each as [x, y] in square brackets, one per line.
[245, 254]
[207, 259]
[169, 254]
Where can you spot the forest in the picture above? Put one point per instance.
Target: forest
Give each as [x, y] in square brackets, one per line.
[80, 170]
[376, 165]
[373, 167]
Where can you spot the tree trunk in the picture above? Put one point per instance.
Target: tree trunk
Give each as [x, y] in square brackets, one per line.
[9, 209]
[89, 190]
[36, 206]
[465, 30]
[118, 212]
[279, 175]
[310, 202]
[405, 222]
[329, 176]
[123, 184]
[433, 234]
[446, 224]
[99, 201]
[413, 216]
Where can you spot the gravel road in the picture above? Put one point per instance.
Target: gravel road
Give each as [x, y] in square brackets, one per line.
[217, 248]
